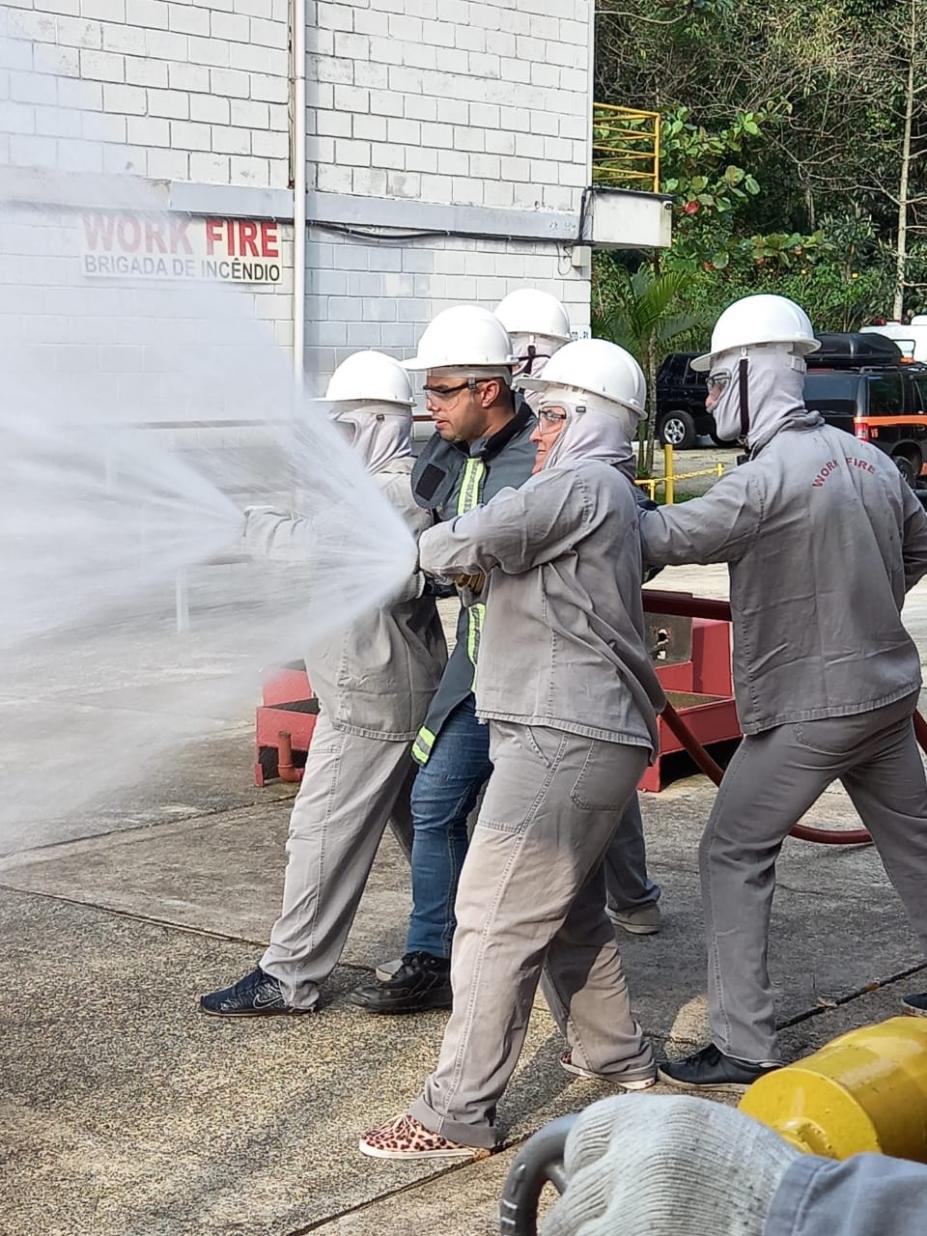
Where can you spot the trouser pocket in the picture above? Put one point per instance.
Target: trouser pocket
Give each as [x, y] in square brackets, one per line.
[607, 777]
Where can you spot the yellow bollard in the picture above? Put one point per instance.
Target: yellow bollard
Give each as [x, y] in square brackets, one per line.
[865, 1091]
[669, 492]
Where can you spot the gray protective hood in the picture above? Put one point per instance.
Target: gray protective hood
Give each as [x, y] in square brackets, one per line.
[382, 431]
[538, 365]
[775, 381]
[533, 352]
[597, 428]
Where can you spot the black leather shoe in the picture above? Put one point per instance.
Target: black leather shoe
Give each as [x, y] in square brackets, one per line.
[421, 982]
[256, 995]
[915, 1005]
[711, 1069]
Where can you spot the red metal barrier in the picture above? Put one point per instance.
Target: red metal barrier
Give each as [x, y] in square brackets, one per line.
[287, 697]
[680, 603]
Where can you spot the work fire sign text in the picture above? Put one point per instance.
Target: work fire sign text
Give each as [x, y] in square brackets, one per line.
[130, 246]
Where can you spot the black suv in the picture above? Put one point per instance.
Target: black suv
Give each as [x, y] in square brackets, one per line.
[681, 412]
[859, 383]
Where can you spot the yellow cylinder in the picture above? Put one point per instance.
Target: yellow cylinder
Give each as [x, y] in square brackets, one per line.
[865, 1091]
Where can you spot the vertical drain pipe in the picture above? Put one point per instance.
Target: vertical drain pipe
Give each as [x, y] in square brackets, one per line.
[299, 192]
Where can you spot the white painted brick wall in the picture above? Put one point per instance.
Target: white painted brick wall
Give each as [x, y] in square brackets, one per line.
[382, 295]
[91, 333]
[465, 79]
[143, 62]
[466, 102]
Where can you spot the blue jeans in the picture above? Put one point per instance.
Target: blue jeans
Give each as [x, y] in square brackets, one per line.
[444, 793]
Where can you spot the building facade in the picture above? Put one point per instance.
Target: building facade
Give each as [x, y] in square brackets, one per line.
[447, 145]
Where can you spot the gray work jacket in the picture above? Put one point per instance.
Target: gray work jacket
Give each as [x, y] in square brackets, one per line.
[823, 538]
[563, 641]
[377, 678]
[450, 479]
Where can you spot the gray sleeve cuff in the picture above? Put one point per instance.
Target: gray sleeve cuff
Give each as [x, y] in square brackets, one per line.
[788, 1211]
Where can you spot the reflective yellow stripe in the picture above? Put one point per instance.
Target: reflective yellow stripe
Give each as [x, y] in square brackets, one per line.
[470, 486]
[475, 614]
[421, 748]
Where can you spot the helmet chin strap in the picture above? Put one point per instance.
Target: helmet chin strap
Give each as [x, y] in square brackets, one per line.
[743, 392]
[531, 355]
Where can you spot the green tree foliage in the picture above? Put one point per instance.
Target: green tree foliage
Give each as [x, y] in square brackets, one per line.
[639, 313]
[794, 142]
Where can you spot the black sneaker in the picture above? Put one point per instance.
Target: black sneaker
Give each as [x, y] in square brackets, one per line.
[711, 1069]
[915, 1005]
[421, 982]
[256, 995]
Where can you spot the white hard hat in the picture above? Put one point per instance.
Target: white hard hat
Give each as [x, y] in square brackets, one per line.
[529, 311]
[763, 318]
[465, 337]
[370, 375]
[596, 367]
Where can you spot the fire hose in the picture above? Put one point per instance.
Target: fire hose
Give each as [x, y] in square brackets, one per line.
[682, 605]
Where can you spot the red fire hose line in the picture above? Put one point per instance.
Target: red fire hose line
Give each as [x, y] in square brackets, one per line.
[683, 605]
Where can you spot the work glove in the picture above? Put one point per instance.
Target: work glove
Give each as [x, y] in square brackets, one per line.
[470, 583]
[668, 1165]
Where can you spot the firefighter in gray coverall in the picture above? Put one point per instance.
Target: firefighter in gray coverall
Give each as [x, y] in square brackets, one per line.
[567, 687]
[483, 444]
[374, 684]
[539, 326]
[823, 538]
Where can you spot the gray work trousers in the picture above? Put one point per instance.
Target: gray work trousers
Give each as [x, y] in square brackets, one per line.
[532, 898]
[627, 883]
[773, 779]
[868, 1195]
[351, 788]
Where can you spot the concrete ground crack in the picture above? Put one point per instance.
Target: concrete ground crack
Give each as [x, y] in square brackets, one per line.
[20, 858]
[151, 919]
[392, 1193]
[839, 1001]
[131, 914]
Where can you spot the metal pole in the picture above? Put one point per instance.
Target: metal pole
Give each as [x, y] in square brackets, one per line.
[656, 153]
[669, 488]
[299, 191]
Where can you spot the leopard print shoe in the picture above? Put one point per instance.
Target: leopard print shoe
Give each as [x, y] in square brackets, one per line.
[405, 1138]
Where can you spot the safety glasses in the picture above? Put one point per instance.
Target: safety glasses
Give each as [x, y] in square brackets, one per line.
[550, 418]
[443, 393]
[718, 381]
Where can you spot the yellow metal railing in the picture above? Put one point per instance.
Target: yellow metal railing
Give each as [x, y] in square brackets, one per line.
[625, 148]
[670, 477]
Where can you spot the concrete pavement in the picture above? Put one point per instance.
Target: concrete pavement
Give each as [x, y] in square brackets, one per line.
[124, 1112]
